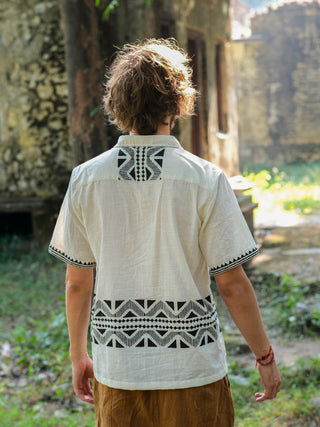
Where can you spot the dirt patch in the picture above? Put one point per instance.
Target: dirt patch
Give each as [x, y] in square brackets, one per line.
[293, 250]
[303, 266]
[289, 245]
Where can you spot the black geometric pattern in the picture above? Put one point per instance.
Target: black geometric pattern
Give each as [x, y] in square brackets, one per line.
[140, 163]
[236, 261]
[68, 260]
[152, 323]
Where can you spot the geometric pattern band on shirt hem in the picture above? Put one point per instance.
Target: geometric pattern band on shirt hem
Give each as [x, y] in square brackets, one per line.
[68, 260]
[236, 261]
[154, 323]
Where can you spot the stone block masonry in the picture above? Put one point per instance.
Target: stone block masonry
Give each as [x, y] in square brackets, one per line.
[278, 85]
[35, 153]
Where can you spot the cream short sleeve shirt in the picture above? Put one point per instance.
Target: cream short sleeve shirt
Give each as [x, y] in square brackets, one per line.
[152, 219]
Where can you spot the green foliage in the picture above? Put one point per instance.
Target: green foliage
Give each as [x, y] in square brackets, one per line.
[15, 411]
[111, 7]
[40, 344]
[31, 280]
[34, 329]
[295, 187]
[288, 304]
[304, 205]
[95, 110]
[296, 173]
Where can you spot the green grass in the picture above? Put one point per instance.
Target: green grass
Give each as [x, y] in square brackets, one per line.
[16, 412]
[37, 389]
[288, 305]
[295, 187]
[296, 404]
[33, 322]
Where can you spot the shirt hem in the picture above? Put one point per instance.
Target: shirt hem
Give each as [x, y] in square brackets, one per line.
[68, 260]
[166, 385]
[236, 261]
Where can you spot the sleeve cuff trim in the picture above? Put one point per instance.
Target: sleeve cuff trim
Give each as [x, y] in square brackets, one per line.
[68, 260]
[236, 261]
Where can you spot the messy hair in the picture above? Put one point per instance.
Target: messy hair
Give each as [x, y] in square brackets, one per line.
[146, 83]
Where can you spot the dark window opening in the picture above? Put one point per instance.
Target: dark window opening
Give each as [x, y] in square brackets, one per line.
[166, 28]
[220, 84]
[16, 223]
[196, 51]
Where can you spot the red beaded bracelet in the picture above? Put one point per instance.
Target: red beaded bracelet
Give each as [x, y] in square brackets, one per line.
[260, 361]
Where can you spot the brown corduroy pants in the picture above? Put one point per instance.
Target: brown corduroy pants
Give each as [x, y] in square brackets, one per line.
[205, 406]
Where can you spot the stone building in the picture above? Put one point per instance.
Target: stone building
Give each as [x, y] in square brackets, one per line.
[35, 148]
[35, 154]
[278, 85]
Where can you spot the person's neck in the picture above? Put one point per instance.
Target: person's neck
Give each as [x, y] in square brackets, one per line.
[163, 129]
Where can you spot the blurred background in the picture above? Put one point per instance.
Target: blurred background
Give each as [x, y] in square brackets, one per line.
[257, 67]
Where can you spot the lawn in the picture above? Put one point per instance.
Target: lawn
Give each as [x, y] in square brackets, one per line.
[36, 379]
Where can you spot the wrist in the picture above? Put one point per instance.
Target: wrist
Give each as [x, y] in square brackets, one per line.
[78, 355]
[266, 359]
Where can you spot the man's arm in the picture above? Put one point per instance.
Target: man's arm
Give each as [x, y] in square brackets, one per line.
[237, 292]
[79, 284]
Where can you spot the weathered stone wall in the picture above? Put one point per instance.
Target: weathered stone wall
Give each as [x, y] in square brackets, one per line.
[35, 153]
[278, 85]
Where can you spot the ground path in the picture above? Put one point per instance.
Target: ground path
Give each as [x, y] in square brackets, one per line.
[290, 244]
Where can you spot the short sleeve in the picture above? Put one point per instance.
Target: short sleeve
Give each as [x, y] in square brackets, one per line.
[69, 241]
[225, 239]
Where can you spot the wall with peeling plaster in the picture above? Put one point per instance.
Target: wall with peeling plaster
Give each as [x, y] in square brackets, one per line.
[278, 85]
[35, 155]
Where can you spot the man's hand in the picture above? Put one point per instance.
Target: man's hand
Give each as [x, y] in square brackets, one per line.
[271, 381]
[82, 372]
[236, 290]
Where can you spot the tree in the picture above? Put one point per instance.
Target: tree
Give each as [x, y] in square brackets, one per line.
[83, 65]
[84, 75]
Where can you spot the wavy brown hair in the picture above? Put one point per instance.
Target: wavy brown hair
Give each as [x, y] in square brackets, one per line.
[146, 83]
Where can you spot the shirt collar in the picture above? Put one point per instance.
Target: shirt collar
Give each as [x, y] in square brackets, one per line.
[148, 141]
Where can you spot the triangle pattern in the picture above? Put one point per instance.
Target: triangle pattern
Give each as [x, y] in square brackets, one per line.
[129, 332]
[108, 302]
[118, 303]
[181, 304]
[170, 304]
[140, 302]
[141, 343]
[161, 314]
[120, 161]
[162, 332]
[130, 314]
[100, 314]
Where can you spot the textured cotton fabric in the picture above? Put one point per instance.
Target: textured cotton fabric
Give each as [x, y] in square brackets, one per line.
[152, 218]
[210, 405]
